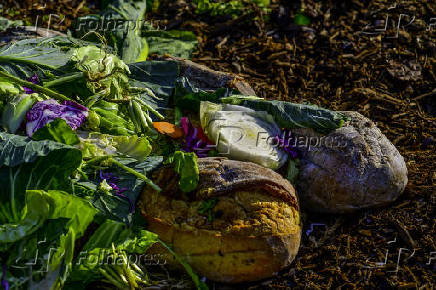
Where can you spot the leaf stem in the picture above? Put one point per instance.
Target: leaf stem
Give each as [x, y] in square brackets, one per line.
[111, 279]
[91, 100]
[200, 284]
[97, 160]
[133, 118]
[64, 79]
[12, 181]
[119, 101]
[122, 166]
[83, 174]
[137, 174]
[151, 109]
[140, 115]
[4, 210]
[136, 90]
[10, 59]
[34, 87]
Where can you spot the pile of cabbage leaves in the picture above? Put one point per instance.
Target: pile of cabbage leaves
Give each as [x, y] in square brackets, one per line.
[76, 139]
[75, 150]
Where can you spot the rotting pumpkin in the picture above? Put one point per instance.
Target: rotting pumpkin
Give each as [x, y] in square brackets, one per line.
[255, 230]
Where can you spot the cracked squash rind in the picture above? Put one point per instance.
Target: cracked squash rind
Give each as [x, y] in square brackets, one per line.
[355, 167]
[256, 227]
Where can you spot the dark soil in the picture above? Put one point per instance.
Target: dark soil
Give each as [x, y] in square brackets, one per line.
[52, 14]
[340, 62]
[337, 64]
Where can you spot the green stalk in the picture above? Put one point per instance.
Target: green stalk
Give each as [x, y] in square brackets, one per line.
[140, 114]
[149, 120]
[131, 278]
[200, 284]
[137, 174]
[151, 109]
[141, 279]
[110, 6]
[91, 100]
[12, 181]
[5, 212]
[119, 101]
[65, 79]
[110, 270]
[34, 87]
[122, 166]
[9, 59]
[133, 118]
[137, 269]
[119, 270]
[82, 174]
[136, 90]
[97, 160]
[111, 279]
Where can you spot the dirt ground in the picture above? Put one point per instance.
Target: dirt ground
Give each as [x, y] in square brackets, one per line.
[348, 58]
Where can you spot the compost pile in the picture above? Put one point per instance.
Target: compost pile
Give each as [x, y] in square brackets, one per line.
[387, 77]
[335, 55]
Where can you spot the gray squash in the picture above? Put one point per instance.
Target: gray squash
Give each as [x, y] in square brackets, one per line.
[353, 167]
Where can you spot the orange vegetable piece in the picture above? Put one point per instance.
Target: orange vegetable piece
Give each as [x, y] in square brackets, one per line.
[168, 129]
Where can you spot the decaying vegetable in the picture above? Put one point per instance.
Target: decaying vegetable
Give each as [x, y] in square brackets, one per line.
[353, 167]
[105, 73]
[106, 77]
[96, 144]
[46, 111]
[168, 129]
[243, 134]
[242, 223]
